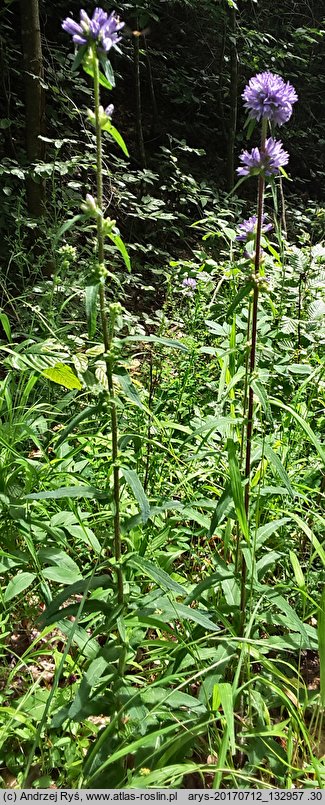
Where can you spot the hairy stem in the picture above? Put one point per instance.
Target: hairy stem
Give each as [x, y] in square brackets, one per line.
[252, 361]
[108, 331]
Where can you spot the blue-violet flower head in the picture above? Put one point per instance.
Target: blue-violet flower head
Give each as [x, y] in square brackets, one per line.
[109, 110]
[267, 161]
[190, 283]
[100, 28]
[268, 96]
[247, 230]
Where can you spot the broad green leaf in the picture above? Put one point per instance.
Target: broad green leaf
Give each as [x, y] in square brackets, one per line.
[63, 575]
[237, 489]
[211, 581]
[63, 375]
[91, 308]
[18, 584]
[134, 482]
[129, 389]
[57, 557]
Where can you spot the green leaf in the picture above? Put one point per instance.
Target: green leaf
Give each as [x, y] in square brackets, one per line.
[260, 392]
[164, 581]
[107, 68]
[57, 557]
[210, 581]
[265, 531]
[87, 412]
[118, 242]
[224, 503]
[299, 576]
[222, 693]
[18, 584]
[276, 463]
[129, 390]
[304, 425]
[311, 536]
[6, 325]
[63, 575]
[102, 79]
[63, 375]
[292, 620]
[69, 492]
[134, 482]
[91, 308]
[77, 588]
[81, 52]
[155, 339]
[237, 489]
[116, 136]
[245, 291]
[67, 225]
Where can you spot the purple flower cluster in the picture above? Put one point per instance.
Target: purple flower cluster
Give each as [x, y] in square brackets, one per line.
[267, 161]
[101, 28]
[267, 96]
[189, 283]
[247, 230]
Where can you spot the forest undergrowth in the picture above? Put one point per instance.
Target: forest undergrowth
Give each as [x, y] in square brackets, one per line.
[161, 467]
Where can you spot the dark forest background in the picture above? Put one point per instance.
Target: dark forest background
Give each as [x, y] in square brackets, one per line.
[180, 76]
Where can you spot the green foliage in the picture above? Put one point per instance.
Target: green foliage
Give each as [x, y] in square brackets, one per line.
[164, 685]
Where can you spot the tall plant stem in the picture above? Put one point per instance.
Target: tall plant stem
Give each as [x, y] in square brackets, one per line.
[252, 362]
[108, 331]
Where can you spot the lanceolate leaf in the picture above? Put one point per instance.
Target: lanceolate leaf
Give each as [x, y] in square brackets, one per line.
[69, 492]
[91, 308]
[245, 291]
[138, 491]
[118, 242]
[237, 489]
[116, 136]
[18, 584]
[164, 581]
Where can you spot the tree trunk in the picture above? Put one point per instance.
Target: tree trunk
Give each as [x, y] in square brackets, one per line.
[34, 101]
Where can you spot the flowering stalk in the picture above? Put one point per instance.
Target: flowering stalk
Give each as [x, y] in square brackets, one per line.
[107, 328]
[252, 357]
[267, 98]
